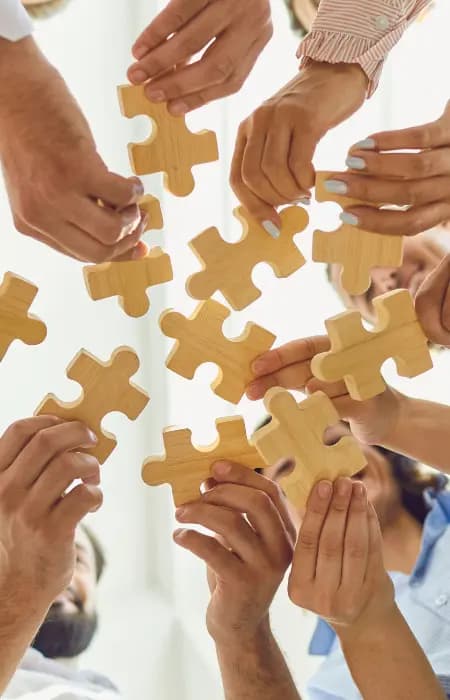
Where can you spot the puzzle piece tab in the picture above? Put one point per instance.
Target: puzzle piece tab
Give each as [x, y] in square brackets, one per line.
[228, 267]
[185, 467]
[152, 208]
[356, 354]
[16, 297]
[200, 339]
[129, 280]
[171, 147]
[106, 387]
[297, 432]
[357, 251]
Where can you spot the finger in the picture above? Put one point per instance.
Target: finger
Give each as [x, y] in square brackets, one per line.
[331, 548]
[45, 446]
[292, 353]
[232, 472]
[356, 543]
[19, 434]
[375, 561]
[409, 166]
[400, 223]
[262, 514]
[291, 377]
[432, 302]
[85, 248]
[71, 509]
[182, 45]
[306, 549]
[54, 481]
[114, 190]
[224, 563]
[303, 146]
[431, 135]
[175, 15]
[446, 311]
[382, 191]
[104, 224]
[228, 524]
[334, 390]
[275, 163]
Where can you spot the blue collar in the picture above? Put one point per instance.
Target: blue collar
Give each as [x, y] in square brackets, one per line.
[434, 527]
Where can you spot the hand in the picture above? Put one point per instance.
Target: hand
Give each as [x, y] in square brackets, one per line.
[419, 180]
[433, 304]
[272, 162]
[38, 462]
[337, 569]
[231, 35]
[53, 174]
[250, 554]
[289, 366]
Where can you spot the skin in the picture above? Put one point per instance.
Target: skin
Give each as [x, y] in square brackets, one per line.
[83, 586]
[38, 462]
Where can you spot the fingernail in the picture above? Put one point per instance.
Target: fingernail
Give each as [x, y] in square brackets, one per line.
[336, 186]
[140, 51]
[180, 512]
[178, 534]
[365, 145]
[136, 253]
[155, 95]
[306, 201]
[92, 437]
[178, 109]
[258, 365]
[271, 229]
[341, 487]
[348, 218]
[324, 489]
[137, 75]
[138, 189]
[222, 468]
[355, 163]
[359, 490]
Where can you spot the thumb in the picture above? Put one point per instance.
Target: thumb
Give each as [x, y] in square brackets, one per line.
[433, 304]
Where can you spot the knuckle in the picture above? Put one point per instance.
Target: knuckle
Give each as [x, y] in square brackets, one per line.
[44, 440]
[21, 430]
[422, 164]
[222, 70]
[261, 500]
[307, 539]
[330, 548]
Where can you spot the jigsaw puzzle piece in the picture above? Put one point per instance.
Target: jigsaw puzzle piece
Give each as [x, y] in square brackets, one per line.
[152, 208]
[16, 297]
[171, 147]
[129, 280]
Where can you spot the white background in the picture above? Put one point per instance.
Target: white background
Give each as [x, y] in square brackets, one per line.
[153, 641]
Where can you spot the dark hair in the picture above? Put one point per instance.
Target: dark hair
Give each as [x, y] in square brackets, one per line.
[99, 555]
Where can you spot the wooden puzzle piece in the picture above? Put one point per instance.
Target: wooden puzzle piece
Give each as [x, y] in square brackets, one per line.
[152, 208]
[129, 280]
[106, 387]
[228, 267]
[297, 432]
[16, 297]
[200, 339]
[185, 467]
[357, 251]
[356, 354]
[171, 147]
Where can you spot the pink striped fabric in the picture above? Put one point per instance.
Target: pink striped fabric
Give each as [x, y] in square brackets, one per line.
[359, 31]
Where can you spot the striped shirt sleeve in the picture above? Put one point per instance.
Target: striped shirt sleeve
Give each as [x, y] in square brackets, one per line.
[359, 31]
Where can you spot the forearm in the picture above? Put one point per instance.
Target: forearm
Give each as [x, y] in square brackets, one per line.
[387, 662]
[255, 669]
[422, 431]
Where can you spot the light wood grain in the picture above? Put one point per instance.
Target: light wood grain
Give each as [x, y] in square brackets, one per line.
[16, 297]
[152, 207]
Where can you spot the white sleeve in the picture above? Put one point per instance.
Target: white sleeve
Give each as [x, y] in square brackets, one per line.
[15, 23]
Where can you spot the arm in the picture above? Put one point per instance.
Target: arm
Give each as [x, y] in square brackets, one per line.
[338, 573]
[248, 513]
[361, 31]
[38, 463]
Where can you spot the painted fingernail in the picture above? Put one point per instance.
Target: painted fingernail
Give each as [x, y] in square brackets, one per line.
[336, 186]
[140, 51]
[306, 201]
[137, 75]
[155, 95]
[271, 229]
[348, 218]
[355, 163]
[178, 109]
[365, 145]
[138, 188]
[324, 489]
[221, 468]
[180, 512]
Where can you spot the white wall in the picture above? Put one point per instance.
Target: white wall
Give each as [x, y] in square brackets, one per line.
[153, 642]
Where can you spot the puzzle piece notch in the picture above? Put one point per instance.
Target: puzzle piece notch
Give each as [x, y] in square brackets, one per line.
[129, 280]
[171, 148]
[106, 387]
[355, 250]
[185, 467]
[152, 207]
[297, 431]
[200, 339]
[357, 355]
[227, 267]
[16, 297]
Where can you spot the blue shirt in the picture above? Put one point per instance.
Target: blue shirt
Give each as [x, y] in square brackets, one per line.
[424, 600]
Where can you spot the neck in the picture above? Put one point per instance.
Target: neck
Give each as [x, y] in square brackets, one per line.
[401, 542]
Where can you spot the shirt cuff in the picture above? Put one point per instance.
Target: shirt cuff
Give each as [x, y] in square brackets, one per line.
[15, 22]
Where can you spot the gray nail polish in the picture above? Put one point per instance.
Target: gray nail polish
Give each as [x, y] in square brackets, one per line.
[348, 218]
[356, 163]
[271, 229]
[306, 201]
[336, 186]
[365, 145]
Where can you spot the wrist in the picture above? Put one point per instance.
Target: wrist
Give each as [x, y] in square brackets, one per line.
[369, 632]
[245, 639]
[399, 408]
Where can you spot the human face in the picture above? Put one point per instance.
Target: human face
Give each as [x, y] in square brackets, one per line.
[71, 621]
[382, 489]
[422, 254]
